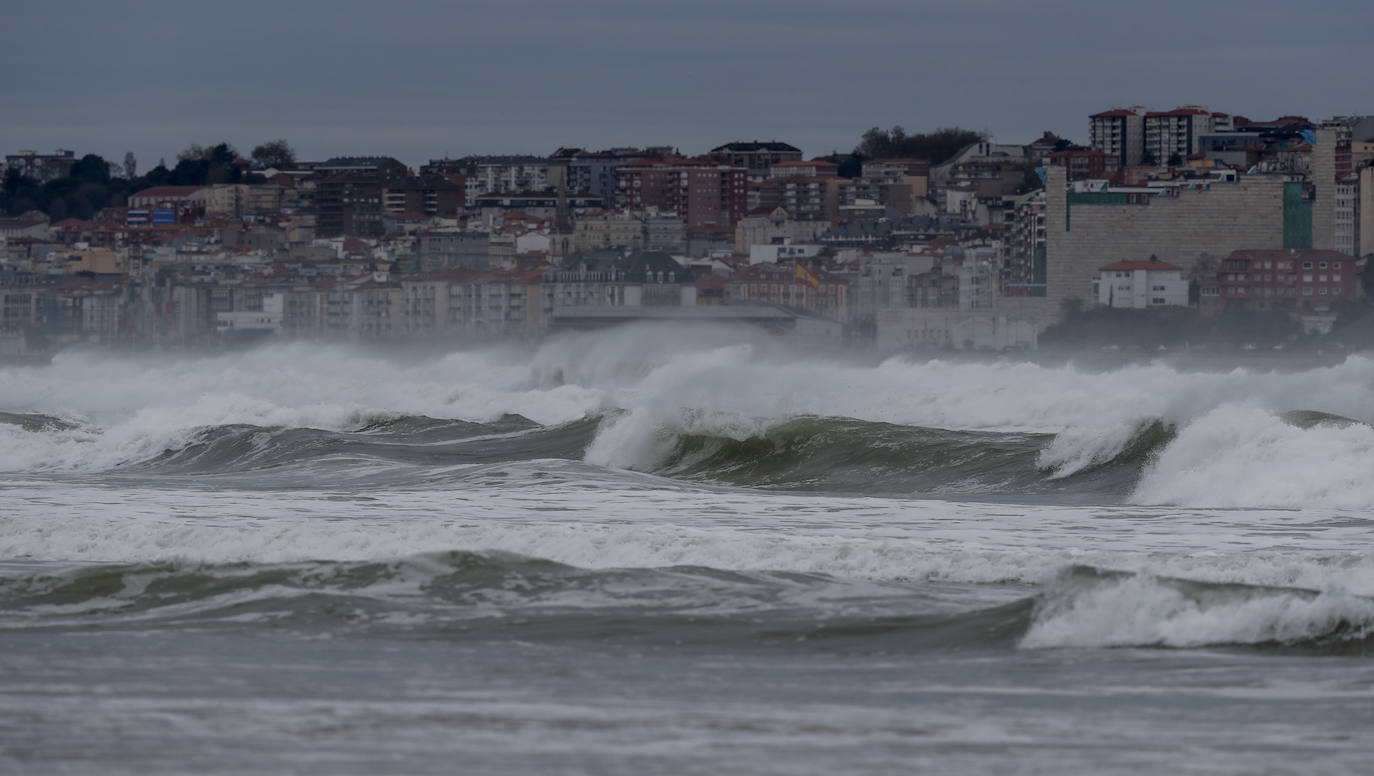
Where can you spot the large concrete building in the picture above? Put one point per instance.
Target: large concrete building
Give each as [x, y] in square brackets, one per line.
[1084, 231]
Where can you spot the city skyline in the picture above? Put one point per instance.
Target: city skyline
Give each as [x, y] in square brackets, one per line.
[428, 80]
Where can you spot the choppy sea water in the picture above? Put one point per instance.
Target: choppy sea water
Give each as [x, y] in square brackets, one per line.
[650, 551]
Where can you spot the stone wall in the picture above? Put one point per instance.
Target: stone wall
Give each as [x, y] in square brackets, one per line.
[1324, 179]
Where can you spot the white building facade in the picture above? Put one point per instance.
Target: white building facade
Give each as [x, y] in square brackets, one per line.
[1140, 284]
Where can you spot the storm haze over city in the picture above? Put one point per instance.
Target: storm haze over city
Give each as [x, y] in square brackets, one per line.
[417, 80]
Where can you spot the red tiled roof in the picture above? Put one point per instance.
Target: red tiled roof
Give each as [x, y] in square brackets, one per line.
[167, 191]
[1180, 112]
[1122, 266]
[1107, 114]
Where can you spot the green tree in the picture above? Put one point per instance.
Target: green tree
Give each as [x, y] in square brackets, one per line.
[192, 152]
[934, 147]
[1367, 274]
[158, 176]
[90, 168]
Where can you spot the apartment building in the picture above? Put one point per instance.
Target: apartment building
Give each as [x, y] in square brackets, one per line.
[42, 167]
[756, 157]
[703, 192]
[1119, 132]
[1172, 135]
[1289, 280]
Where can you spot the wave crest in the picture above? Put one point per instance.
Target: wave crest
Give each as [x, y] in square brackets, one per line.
[1089, 607]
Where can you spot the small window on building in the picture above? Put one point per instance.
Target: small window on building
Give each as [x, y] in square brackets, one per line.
[1335, 265]
[1306, 290]
[1307, 265]
[1307, 277]
[1321, 265]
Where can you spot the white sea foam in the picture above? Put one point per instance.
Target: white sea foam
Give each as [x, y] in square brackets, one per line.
[610, 524]
[1243, 456]
[656, 380]
[1142, 610]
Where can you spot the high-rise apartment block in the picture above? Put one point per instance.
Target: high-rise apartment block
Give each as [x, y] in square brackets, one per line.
[1119, 132]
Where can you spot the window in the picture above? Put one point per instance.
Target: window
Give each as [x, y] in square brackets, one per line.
[1307, 277]
[1321, 265]
[1307, 265]
[1306, 290]
[1335, 265]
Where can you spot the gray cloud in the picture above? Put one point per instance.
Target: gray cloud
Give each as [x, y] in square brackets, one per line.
[422, 79]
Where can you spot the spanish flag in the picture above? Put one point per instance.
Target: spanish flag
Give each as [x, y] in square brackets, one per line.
[807, 277]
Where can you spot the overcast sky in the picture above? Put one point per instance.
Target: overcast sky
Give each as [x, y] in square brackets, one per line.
[417, 80]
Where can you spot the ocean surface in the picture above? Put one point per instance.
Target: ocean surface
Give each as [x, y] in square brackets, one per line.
[681, 552]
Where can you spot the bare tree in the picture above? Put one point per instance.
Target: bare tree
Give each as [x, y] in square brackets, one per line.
[217, 152]
[130, 165]
[193, 152]
[275, 153]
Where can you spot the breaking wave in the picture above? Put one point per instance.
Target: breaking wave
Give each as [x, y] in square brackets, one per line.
[856, 456]
[1090, 607]
[1245, 456]
[712, 409]
[484, 596]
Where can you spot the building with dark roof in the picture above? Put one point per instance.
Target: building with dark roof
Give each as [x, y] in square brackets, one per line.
[757, 157]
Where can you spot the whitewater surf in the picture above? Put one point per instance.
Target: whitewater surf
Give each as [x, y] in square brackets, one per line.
[642, 551]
